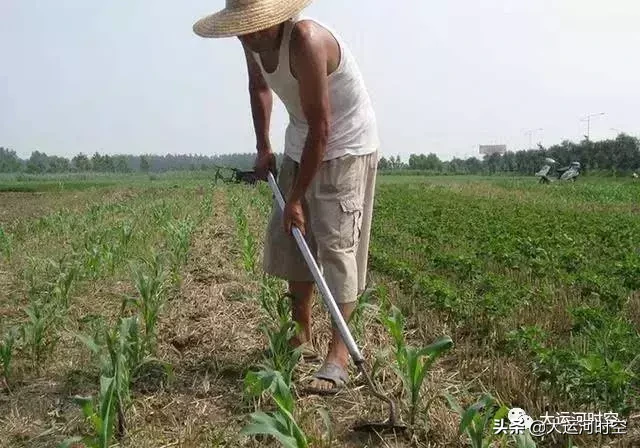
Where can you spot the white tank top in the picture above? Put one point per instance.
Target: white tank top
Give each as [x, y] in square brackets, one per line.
[353, 128]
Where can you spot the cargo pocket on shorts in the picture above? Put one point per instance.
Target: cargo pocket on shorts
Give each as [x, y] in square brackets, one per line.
[350, 223]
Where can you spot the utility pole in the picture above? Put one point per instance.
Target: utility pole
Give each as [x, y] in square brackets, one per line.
[530, 134]
[588, 120]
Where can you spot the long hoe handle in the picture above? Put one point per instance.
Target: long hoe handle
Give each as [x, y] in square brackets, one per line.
[330, 302]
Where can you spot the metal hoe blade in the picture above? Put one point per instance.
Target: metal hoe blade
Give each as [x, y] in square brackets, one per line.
[392, 423]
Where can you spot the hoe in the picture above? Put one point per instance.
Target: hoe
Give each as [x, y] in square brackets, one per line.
[392, 424]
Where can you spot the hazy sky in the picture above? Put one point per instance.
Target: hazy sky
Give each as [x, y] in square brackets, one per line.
[132, 77]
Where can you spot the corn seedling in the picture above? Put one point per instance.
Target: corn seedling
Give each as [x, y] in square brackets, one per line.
[206, 207]
[363, 305]
[248, 243]
[328, 435]
[276, 305]
[282, 356]
[94, 257]
[102, 419]
[161, 212]
[125, 234]
[6, 352]
[179, 240]
[66, 275]
[37, 331]
[150, 282]
[281, 423]
[6, 244]
[412, 364]
[477, 421]
[121, 355]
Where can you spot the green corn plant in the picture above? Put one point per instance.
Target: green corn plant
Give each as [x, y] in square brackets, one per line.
[120, 356]
[150, 283]
[125, 234]
[61, 288]
[281, 423]
[248, 243]
[179, 240]
[160, 212]
[328, 435]
[206, 207]
[276, 305]
[364, 304]
[249, 251]
[282, 356]
[412, 364]
[477, 420]
[108, 257]
[6, 352]
[93, 260]
[6, 244]
[37, 330]
[102, 418]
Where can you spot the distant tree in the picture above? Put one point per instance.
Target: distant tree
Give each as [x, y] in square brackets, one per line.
[38, 163]
[383, 163]
[9, 161]
[144, 164]
[58, 164]
[120, 164]
[81, 163]
[473, 165]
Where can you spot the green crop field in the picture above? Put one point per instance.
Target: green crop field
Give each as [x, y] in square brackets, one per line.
[134, 313]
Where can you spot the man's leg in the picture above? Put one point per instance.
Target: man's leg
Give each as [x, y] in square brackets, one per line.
[338, 352]
[301, 306]
[283, 259]
[336, 204]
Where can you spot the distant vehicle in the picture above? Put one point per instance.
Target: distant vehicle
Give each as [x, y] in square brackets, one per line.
[568, 173]
[545, 171]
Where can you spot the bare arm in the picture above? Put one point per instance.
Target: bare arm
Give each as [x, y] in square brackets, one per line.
[310, 64]
[261, 104]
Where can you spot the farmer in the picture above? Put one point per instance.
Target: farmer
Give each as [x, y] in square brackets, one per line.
[330, 157]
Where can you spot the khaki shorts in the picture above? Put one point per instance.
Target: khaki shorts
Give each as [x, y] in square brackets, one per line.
[338, 207]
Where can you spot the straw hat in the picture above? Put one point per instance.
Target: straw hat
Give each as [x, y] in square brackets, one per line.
[247, 16]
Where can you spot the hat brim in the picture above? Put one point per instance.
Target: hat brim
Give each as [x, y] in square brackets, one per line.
[231, 22]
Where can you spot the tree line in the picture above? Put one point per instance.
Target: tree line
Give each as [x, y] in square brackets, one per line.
[41, 163]
[620, 155]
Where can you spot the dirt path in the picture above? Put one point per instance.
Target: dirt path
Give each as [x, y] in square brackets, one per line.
[210, 334]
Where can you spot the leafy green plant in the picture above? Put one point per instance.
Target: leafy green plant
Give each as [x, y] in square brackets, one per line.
[179, 240]
[125, 233]
[412, 364]
[248, 244]
[120, 357]
[363, 305]
[150, 283]
[37, 331]
[161, 212]
[102, 419]
[477, 420]
[206, 206]
[276, 305]
[282, 356]
[67, 273]
[6, 352]
[281, 423]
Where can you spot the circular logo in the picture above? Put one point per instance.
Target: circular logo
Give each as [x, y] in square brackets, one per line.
[516, 414]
